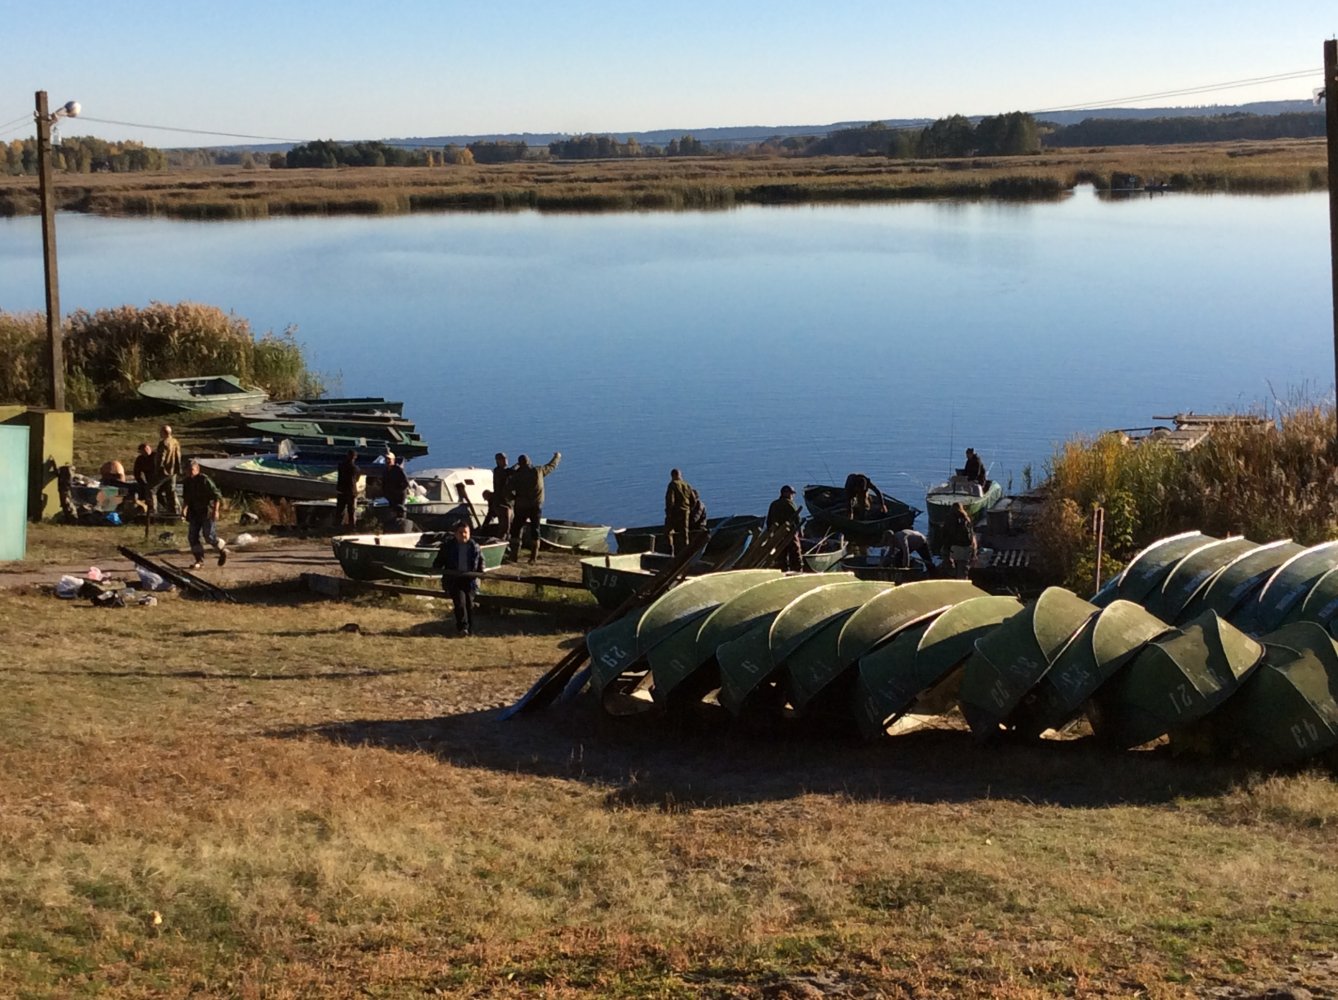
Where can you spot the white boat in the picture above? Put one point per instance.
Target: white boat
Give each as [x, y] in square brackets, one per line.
[975, 498]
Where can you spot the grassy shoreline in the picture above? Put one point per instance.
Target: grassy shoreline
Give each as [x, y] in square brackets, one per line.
[250, 800]
[309, 811]
[671, 184]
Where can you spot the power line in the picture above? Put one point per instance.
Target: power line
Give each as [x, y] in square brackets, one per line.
[1203, 89]
[190, 131]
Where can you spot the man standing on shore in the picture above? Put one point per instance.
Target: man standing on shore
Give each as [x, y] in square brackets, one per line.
[395, 486]
[784, 514]
[678, 499]
[499, 503]
[346, 490]
[459, 555]
[142, 473]
[166, 469]
[202, 500]
[525, 488]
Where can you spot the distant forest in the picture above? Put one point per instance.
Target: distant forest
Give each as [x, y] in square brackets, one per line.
[1013, 134]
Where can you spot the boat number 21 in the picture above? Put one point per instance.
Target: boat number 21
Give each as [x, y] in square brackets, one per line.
[1181, 698]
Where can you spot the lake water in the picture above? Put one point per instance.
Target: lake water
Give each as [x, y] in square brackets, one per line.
[756, 346]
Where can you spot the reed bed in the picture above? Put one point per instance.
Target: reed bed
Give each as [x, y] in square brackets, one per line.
[1275, 479]
[108, 353]
[673, 184]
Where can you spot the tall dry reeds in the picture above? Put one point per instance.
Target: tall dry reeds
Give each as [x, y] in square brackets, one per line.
[110, 352]
[1276, 478]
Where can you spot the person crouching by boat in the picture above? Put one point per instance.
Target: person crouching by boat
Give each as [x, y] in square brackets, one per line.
[459, 555]
[901, 545]
[525, 491]
[202, 499]
[346, 490]
[783, 515]
[679, 497]
[499, 505]
[857, 495]
[959, 541]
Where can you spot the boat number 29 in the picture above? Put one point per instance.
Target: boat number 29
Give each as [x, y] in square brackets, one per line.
[1304, 733]
[614, 656]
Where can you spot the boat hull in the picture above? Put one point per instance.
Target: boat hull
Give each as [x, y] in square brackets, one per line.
[573, 536]
[401, 557]
[203, 393]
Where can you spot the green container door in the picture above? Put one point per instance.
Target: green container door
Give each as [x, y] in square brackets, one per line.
[13, 493]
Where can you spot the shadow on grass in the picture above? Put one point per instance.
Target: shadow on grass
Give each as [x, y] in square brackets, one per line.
[649, 762]
[228, 675]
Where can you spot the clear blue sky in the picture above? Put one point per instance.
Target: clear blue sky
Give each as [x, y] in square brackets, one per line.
[350, 69]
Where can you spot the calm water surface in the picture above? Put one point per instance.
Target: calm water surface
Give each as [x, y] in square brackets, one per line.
[756, 346]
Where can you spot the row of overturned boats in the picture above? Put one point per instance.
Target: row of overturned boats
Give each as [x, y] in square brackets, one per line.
[1219, 643]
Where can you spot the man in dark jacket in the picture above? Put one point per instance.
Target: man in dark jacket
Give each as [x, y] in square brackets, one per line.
[974, 469]
[459, 555]
[499, 504]
[395, 485]
[142, 473]
[202, 499]
[784, 513]
[525, 489]
[678, 499]
[346, 490]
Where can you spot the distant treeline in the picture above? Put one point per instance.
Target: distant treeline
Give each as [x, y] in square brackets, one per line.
[83, 154]
[1169, 131]
[1014, 134]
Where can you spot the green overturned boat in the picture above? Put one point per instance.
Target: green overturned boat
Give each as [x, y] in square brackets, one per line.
[672, 648]
[1101, 649]
[1146, 570]
[1192, 574]
[620, 669]
[922, 662]
[1238, 580]
[749, 664]
[1175, 680]
[1286, 711]
[1287, 589]
[1011, 659]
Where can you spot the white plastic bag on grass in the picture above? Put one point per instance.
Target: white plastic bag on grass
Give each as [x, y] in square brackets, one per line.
[149, 580]
[67, 587]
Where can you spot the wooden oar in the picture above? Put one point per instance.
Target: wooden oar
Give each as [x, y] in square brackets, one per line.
[551, 685]
[188, 582]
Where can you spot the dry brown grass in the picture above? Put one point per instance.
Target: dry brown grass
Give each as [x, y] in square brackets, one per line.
[709, 182]
[315, 812]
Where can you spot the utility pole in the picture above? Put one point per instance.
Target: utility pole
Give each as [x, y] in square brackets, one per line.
[54, 336]
[1331, 121]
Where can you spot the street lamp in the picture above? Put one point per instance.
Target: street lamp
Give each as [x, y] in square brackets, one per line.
[53, 334]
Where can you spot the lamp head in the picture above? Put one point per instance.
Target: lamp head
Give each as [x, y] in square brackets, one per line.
[71, 109]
